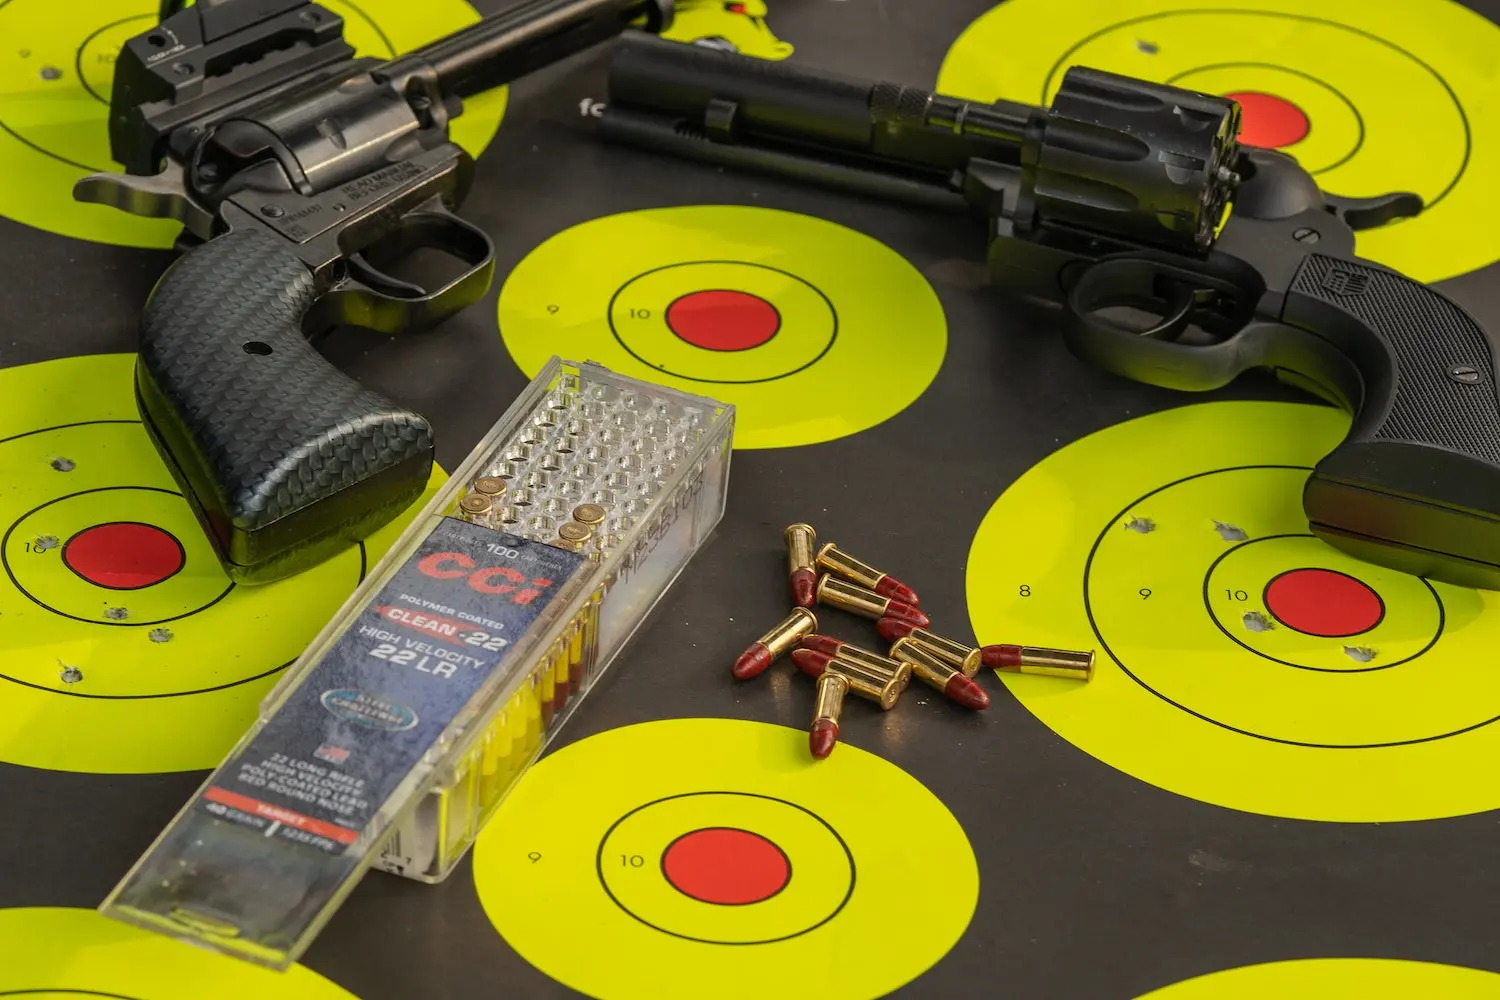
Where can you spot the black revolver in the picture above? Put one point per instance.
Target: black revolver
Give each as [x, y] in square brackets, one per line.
[1112, 204]
[301, 175]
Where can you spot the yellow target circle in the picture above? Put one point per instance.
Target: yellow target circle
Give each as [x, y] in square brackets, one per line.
[1242, 661]
[61, 952]
[736, 864]
[128, 650]
[56, 76]
[813, 331]
[1328, 978]
[1372, 96]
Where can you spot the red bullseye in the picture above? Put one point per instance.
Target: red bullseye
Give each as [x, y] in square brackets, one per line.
[1323, 603]
[725, 866]
[1268, 121]
[123, 555]
[723, 320]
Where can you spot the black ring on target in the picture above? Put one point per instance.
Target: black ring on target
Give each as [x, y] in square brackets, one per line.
[54, 991]
[609, 312]
[78, 63]
[1088, 608]
[1359, 119]
[83, 80]
[1442, 613]
[604, 884]
[5, 562]
[364, 566]
[1463, 116]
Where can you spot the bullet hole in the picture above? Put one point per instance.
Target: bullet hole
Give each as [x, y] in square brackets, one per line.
[1229, 532]
[117, 614]
[63, 464]
[45, 542]
[1255, 621]
[1363, 654]
[160, 635]
[1144, 525]
[1147, 48]
[70, 674]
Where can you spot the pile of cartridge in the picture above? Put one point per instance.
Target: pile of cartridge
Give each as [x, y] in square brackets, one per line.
[830, 576]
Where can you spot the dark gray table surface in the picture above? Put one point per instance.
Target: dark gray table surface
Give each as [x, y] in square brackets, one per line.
[1087, 888]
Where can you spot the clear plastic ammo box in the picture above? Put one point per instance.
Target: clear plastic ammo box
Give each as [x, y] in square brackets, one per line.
[399, 730]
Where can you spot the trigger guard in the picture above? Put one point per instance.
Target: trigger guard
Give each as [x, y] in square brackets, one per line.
[1155, 357]
[426, 230]
[378, 301]
[1133, 284]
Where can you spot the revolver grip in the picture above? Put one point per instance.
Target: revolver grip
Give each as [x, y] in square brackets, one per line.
[1416, 484]
[284, 459]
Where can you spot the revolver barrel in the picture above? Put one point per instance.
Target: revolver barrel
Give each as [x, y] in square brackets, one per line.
[1122, 158]
[890, 126]
[508, 45]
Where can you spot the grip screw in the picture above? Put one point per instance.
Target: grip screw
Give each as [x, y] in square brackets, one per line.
[1464, 374]
[1306, 235]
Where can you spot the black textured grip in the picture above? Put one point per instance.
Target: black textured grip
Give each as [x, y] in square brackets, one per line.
[1430, 339]
[1420, 469]
[286, 459]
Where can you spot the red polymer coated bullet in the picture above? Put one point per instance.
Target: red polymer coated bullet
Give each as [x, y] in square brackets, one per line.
[901, 611]
[863, 601]
[811, 662]
[965, 692]
[1074, 664]
[834, 560]
[824, 733]
[761, 653]
[841, 650]
[891, 629]
[930, 668]
[803, 579]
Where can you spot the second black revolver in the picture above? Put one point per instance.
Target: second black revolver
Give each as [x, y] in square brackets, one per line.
[1178, 256]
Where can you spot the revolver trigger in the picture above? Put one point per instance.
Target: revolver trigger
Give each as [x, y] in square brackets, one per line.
[1367, 213]
[378, 281]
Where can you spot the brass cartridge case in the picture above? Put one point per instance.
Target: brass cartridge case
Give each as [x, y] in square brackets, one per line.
[832, 559]
[965, 658]
[832, 688]
[590, 514]
[789, 631]
[800, 539]
[851, 597]
[1073, 664]
[878, 685]
[926, 665]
